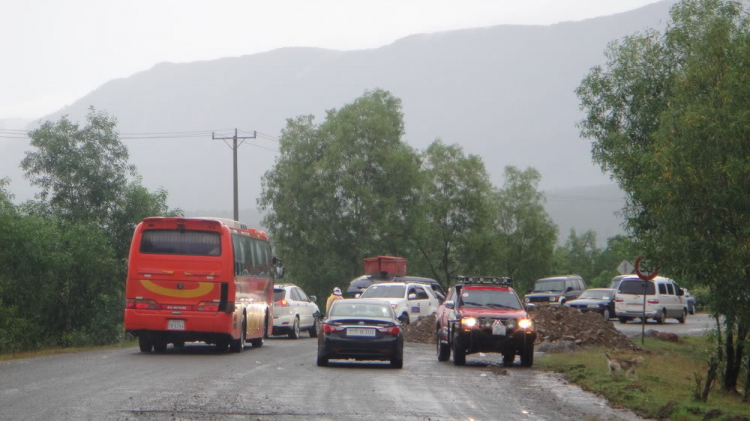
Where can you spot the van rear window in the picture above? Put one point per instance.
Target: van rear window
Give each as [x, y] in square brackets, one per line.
[636, 287]
[187, 243]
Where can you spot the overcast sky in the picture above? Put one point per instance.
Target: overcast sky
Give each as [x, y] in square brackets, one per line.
[53, 52]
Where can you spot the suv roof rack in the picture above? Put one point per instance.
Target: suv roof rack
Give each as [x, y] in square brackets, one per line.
[494, 280]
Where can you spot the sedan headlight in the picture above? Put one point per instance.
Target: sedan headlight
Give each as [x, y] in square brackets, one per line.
[469, 322]
[525, 323]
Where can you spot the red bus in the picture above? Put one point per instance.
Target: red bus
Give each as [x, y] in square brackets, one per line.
[199, 279]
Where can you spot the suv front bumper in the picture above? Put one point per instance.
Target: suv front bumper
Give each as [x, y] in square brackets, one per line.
[482, 340]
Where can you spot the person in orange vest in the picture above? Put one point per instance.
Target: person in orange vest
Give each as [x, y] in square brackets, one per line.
[335, 296]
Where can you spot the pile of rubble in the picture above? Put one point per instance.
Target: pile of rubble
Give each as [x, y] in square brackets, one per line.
[422, 331]
[559, 328]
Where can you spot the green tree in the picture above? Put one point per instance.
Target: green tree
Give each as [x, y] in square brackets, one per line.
[618, 248]
[341, 191]
[455, 210]
[81, 170]
[523, 234]
[668, 115]
[578, 255]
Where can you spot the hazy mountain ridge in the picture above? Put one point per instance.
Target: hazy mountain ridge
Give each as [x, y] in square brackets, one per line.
[505, 93]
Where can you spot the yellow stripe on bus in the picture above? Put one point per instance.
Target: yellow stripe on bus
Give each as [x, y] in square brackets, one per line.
[203, 289]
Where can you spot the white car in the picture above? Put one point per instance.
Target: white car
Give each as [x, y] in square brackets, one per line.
[409, 300]
[293, 311]
[663, 300]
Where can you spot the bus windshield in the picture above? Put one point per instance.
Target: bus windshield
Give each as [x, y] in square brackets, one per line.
[181, 242]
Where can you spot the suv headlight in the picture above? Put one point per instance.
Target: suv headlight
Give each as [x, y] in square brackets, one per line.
[525, 324]
[469, 322]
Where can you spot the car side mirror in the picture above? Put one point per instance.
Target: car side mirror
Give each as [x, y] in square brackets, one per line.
[680, 292]
[449, 304]
[403, 318]
[568, 289]
[412, 296]
[280, 272]
[313, 298]
[318, 315]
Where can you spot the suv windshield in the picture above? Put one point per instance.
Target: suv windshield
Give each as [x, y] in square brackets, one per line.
[556, 285]
[384, 291]
[493, 298]
[636, 287]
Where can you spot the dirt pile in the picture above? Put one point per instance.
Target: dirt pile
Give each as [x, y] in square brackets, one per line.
[422, 331]
[554, 325]
[564, 324]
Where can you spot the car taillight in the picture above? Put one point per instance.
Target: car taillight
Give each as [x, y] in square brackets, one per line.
[391, 330]
[207, 306]
[283, 302]
[619, 300]
[327, 328]
[140, 304]
[653, 301]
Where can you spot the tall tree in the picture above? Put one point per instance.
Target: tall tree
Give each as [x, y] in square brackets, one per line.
[523, 234]
[579, 255]
[81, 170]
[341, 191]
[668, 115]
[455, 211]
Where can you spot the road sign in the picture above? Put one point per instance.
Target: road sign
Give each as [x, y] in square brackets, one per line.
[645, 270]
[625, 268]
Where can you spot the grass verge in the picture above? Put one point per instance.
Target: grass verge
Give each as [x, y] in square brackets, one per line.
[665, 382]
[57, 351]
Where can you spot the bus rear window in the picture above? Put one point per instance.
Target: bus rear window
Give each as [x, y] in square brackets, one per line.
[188, 243]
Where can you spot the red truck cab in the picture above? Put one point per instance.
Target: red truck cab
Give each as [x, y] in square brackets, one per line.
[484, 314]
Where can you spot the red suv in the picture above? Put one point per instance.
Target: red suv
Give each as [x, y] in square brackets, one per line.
[484, 314]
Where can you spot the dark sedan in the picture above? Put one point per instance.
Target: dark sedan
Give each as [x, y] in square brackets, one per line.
[361, 329]
[600, 300]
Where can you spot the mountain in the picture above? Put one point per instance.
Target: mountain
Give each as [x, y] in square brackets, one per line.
[505, 93]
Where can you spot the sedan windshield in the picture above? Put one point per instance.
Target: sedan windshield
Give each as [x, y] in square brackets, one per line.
[550, 285]
[492, 298]
[384, 291]
[597, 294]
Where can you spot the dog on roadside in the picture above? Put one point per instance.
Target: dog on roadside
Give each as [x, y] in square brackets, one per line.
[626, 366]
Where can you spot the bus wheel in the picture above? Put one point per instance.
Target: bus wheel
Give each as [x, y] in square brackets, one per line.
[144, 342]
[222, 344]
[237, 345]
[160, 344]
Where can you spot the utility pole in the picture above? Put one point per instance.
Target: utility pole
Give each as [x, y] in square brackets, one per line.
[234, 155]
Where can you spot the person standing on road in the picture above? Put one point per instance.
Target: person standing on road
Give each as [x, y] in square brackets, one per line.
[335, 296]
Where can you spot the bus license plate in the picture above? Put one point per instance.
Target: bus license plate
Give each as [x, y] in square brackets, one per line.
[176, 324]
[358, 331]
[498, 328]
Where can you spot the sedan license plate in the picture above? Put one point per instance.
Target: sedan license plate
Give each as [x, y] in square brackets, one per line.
[176, 324]
[358, 331]
[498, 328]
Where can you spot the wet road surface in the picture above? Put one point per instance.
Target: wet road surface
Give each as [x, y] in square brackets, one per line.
[695, 324]
[280, 381]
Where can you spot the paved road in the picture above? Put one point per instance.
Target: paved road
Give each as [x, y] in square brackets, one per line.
[695, 324]
[280, 381]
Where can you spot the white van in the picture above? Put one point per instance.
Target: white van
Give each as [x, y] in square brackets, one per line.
[664, 300]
